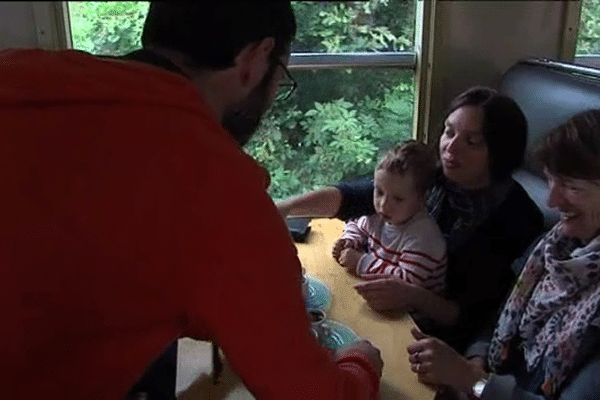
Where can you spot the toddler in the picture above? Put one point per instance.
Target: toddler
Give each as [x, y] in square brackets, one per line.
[401, 239]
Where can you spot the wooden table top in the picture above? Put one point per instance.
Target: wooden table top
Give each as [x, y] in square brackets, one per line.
[389, 332]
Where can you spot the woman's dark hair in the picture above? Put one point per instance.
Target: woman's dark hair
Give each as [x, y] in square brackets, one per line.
[212, 33]
[504, 128]
[573, 149]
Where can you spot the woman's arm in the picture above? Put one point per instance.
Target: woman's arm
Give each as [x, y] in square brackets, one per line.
[393, 293]
[441, 310]
[345, 200]
[323, 203]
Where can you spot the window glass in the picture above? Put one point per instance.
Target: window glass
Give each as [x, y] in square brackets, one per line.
[107, 27]
[333, 127]
[339, 120]
[349, 26]
[588, 38]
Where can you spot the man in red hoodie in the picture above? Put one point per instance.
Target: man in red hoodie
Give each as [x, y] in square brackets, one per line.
[130, 216]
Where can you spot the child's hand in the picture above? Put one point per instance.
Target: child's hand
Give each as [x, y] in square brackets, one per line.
[349, 259]
[338, 246]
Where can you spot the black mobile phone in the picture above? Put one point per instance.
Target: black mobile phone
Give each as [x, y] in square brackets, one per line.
[299, 227]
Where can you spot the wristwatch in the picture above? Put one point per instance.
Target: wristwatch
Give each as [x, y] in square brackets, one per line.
[479, 386]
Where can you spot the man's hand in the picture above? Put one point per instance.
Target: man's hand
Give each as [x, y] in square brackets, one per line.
[386, 293]
[364, 346]
[437, 363]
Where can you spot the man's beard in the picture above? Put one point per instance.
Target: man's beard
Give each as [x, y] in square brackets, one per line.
[242, 120]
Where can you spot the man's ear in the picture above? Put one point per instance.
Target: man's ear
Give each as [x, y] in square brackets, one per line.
[252, 62]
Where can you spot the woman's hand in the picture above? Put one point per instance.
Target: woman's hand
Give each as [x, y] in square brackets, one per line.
[386, 293]
[436, 363]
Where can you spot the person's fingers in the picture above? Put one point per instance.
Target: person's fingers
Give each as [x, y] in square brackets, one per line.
[365, 293]
[375, 285]
[417, 346]
[427, 378]
[415, 358]
[417, 334]
[369, 277]
[419, 368]
[426, 355]
[376, 306]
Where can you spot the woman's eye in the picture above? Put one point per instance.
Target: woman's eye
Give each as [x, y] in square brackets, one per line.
[448, 132]
[398, 199]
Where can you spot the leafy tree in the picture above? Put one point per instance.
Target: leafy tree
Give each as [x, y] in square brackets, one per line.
[338, 121]
[107, 28]
[588, 38]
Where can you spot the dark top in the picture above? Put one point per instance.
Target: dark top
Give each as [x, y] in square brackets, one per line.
[479, 275]
[149, 57]
[516, 383]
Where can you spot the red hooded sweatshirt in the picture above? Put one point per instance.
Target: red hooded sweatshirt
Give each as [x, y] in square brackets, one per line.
[129, 218]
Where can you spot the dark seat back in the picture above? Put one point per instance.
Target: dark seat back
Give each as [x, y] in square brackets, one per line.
[549, 93]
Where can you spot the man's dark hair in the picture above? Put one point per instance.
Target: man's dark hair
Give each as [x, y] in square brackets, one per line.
[504, 128]
[212, 33]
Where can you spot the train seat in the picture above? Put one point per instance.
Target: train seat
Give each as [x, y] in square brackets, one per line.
[549, 93]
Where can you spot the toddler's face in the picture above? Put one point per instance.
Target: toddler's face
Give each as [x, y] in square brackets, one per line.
[395, 198]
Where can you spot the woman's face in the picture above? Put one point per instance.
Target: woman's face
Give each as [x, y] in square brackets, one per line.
[463, 151]
[578, 201]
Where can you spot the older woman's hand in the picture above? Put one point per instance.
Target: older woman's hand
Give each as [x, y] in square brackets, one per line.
[386, 293]
[437, 363]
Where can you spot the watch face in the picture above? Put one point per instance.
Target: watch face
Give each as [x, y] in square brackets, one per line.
[478, 388]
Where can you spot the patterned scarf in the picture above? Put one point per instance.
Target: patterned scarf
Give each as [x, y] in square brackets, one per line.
[550, 307]
[459, 212]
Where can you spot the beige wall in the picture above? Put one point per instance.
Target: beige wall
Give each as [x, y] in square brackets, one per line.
[476, 41]
[17, 27]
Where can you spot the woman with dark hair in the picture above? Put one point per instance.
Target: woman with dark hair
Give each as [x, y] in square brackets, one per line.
[487, 218]
[546, 344]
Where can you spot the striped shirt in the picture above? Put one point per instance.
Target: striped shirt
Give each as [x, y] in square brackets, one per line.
[414, 251]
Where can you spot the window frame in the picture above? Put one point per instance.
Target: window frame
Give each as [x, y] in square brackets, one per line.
[570, 32]
[419, 60]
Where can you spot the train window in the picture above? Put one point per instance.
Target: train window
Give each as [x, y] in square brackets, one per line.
[354, 62]
[588, 38]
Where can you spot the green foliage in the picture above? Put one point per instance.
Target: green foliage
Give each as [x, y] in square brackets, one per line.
[339, 120]
[107, 28]
[331, 141]
[588, 39]
[350, 26]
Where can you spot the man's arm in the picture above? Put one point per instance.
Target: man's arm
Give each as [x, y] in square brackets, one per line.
[248, 296]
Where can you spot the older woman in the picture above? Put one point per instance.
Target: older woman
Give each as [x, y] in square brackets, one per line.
[547, 339]
[487, 218]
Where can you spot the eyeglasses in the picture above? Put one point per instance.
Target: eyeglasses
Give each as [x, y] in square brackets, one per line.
[287, 86]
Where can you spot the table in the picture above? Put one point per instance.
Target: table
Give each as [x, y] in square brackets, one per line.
[390, 332]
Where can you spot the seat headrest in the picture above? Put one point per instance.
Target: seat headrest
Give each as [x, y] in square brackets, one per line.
[549, 93]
